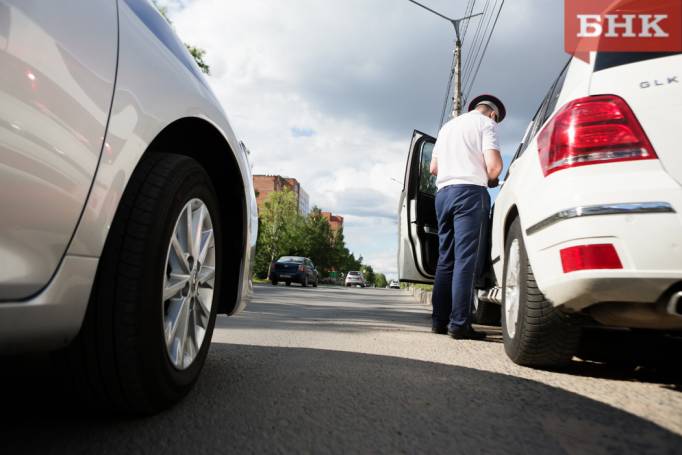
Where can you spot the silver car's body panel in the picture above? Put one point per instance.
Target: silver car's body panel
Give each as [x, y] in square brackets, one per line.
[55, 94]
[157, 84]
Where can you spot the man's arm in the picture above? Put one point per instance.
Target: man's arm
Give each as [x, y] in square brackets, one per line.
[434, 166]
[493, 166]
[491, 153]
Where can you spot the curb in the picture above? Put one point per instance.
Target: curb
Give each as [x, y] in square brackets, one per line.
[420, 295]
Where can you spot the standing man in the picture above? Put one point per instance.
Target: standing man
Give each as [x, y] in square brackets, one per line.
[466, 160]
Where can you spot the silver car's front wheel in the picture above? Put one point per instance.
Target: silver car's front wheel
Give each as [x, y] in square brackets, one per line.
[148, 327]
[187, 297]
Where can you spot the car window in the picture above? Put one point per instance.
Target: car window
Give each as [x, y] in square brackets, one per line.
[606, 60]
[298, 260]
[554, 95]
[531, 130]
[427, 182]
[544, 111]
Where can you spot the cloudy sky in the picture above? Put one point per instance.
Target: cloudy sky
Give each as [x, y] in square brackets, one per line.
[329, 92]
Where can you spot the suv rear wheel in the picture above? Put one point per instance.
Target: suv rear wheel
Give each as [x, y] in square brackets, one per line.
[535, 333]
[150, 320]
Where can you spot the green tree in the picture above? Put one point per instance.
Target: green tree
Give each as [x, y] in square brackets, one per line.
[198, 55]
[380, 280]
[196, 52]
[368, 274]
[280, 230]
[318, 241]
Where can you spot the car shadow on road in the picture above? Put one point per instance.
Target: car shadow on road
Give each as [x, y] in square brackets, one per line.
[607, 355]
[253, 399]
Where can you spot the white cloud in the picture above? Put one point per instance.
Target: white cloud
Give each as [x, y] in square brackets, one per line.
[329, 92]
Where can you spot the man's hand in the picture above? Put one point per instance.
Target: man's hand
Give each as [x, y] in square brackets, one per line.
[494, 183]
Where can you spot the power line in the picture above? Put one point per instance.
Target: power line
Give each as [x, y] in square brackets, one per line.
[477, 46]
[471, 85]
[467, 12]
[470, 55]
[447, 92]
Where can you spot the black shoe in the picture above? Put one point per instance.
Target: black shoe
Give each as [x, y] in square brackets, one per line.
[440, 330]
[466, 334]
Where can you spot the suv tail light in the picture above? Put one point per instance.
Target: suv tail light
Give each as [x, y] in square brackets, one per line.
[301, 268]
[590, 257]
[592, 130]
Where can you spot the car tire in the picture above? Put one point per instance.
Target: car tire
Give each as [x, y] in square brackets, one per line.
[288, 283]
[120, 358]
[274, 282]
[535, 333]
[315, 283]
[486, 313]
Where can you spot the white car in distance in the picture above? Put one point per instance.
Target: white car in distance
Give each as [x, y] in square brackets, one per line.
[587, 229]
[355, 278]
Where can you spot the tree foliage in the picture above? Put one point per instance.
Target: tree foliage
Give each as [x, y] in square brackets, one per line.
[284, 232]
[196, 52]
[380, 280]
[198, 55]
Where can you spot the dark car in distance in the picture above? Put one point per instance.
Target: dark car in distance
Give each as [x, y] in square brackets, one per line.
[294, 269]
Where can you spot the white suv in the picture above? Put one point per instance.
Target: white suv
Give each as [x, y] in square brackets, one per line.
[355, 278]
[587, 227]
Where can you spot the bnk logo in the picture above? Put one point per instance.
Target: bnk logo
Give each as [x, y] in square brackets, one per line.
[591, 25]
[622, 26]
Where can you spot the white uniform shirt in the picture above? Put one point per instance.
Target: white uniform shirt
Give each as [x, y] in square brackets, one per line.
[459, 149]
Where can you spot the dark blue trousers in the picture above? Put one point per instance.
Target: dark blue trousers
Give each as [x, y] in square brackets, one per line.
[463, 214]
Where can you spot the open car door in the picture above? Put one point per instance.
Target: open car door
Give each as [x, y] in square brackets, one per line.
[418, 225]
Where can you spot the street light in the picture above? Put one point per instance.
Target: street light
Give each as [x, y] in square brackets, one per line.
[457, 96]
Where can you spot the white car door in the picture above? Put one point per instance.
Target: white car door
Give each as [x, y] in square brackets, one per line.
[418, 225]
[58, 66]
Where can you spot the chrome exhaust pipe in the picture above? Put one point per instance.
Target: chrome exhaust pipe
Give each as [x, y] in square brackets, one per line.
[674, 306]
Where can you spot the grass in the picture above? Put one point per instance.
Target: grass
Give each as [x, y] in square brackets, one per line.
[426, 287]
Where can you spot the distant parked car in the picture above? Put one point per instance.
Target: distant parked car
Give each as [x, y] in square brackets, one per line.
[294, 269]
[394, 285]
[355, 278]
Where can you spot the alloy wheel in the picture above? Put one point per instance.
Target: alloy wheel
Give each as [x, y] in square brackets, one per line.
[188, 284]
[512, 294]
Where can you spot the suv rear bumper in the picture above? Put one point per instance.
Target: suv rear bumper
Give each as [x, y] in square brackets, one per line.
[647, 235]
[53, 318]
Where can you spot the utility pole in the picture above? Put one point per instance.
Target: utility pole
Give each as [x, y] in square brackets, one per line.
[457, 92]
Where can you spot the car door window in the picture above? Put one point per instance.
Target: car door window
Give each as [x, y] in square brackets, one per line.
[544, 111]
[427, 182]
[554, 95]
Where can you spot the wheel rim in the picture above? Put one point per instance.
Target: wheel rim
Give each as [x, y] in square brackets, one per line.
[187, 294]
[511, 289]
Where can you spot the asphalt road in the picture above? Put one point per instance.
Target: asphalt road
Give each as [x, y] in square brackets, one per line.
[333, 370]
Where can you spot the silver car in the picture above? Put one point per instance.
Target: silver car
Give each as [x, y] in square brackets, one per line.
[128, 217]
